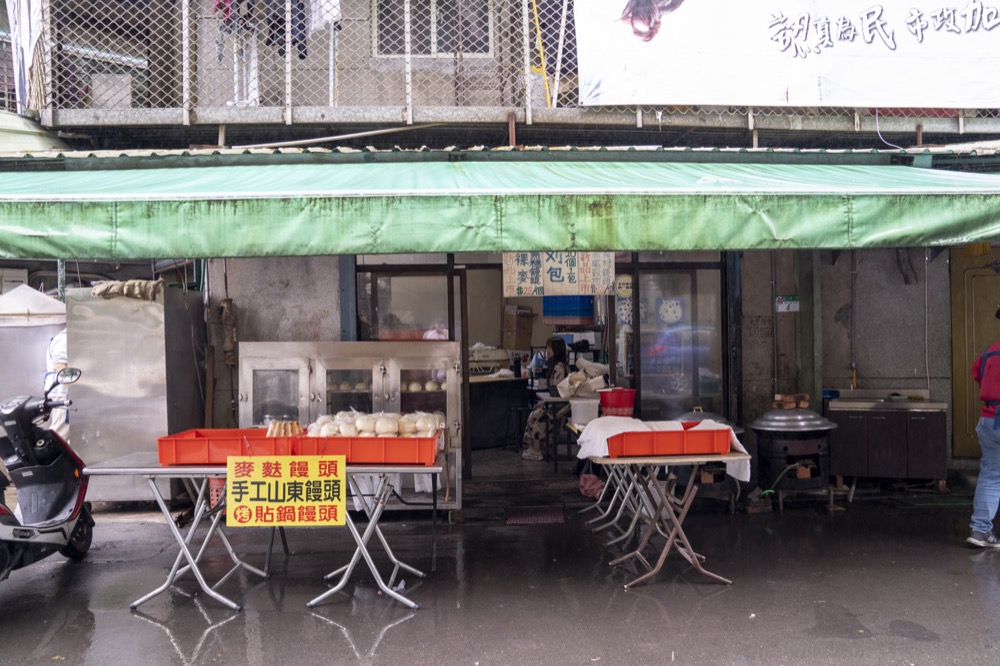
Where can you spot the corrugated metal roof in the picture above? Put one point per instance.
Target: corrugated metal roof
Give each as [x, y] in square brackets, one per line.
[12, 160]
[20, 136]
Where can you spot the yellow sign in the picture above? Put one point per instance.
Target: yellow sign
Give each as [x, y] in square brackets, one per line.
[557, 273]
[623, 286]
[279, 491]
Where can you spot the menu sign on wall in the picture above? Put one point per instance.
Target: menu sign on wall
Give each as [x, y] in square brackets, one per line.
[279, 491]
[557, 273]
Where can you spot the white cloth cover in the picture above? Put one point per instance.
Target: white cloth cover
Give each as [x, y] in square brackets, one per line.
[593, 440]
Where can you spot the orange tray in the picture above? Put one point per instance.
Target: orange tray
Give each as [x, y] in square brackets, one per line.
[669, 442]
[371, 450]
[214, 445]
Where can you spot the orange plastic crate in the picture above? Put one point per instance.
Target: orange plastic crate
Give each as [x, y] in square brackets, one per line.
[203, 446]
[371, 450]
[631, 444]
[705, 441]
[669, 442]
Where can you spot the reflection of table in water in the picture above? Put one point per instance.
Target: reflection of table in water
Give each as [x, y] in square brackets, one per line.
[665, 511]
[145, 464]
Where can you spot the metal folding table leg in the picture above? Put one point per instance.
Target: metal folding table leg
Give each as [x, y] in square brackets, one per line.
[373, 509]
[270, 546]
[184, 542]
[671, 513]
[632, 502]
[612, 486]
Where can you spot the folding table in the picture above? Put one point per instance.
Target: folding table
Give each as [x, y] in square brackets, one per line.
[145, 464]
[373, 506]
[665, 511]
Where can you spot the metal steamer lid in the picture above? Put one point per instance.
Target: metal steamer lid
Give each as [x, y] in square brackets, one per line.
[792, 420]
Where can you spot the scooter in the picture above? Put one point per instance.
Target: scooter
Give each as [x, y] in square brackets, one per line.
[51, 513]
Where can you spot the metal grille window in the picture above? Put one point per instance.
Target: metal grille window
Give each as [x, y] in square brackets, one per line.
[437, 27]
[7, 101]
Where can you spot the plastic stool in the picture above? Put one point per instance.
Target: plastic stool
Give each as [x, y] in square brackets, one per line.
[518, 418]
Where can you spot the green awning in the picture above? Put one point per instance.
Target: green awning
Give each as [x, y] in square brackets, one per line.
[484, 206]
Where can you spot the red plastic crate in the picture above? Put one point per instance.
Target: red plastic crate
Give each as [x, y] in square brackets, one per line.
[371, 450]
[203, 446]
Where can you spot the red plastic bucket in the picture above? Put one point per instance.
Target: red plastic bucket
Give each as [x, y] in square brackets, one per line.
[617, 401]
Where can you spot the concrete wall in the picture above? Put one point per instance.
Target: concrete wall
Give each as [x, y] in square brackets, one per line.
[485, 307]
[287, 299]
[901, 336]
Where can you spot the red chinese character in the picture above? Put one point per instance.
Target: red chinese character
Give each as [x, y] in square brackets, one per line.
[243, 468]
[271, 469]
[264, 514]
[298, 468]
[328, 467]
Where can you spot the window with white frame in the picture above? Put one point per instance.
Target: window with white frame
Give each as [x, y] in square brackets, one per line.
[437, 27]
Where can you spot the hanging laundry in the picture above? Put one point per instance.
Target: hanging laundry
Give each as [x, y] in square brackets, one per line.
[275, 12]
[224, 6]
[325, 12]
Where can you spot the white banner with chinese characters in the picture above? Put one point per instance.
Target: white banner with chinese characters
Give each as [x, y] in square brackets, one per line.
[888, 55]
[558, 273]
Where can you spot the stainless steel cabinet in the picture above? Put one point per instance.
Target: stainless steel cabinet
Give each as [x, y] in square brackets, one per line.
[301, 381]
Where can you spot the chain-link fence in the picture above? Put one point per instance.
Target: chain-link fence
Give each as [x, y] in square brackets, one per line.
[378, 61]
[7, 99]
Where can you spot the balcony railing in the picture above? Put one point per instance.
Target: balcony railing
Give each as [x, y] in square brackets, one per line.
[189, 62]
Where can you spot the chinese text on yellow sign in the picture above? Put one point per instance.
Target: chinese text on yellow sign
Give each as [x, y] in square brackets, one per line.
[276, 491]
[557, 273]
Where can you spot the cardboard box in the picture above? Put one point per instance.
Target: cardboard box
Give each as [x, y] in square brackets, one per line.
[517, 325]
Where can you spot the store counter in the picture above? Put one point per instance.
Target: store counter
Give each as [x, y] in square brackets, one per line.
[491, 399]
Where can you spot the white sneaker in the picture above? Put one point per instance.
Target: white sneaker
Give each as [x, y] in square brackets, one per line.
[531, 454]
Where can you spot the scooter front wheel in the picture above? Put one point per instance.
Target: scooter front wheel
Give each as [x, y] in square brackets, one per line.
[79, 540]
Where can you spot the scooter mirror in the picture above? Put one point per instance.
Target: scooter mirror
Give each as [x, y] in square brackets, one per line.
[68, 375]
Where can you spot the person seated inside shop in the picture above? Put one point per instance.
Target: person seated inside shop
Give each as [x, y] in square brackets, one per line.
[537, 432]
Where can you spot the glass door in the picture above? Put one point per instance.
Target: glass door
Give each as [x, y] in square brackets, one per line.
[679, 346]
[423, 384]
[346, 383]
[277, 389]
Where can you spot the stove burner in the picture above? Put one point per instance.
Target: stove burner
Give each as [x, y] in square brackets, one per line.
[793, 461]
[792, 447]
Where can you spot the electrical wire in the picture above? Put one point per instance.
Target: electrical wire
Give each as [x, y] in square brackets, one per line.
[879, 132]
[337, 137]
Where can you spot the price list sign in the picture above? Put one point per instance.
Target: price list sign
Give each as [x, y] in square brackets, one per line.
[280, 491]
[557, 273]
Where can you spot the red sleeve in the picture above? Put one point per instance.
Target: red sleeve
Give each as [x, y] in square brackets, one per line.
[977, 374]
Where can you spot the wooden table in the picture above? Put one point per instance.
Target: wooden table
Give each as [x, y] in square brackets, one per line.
[668, 510]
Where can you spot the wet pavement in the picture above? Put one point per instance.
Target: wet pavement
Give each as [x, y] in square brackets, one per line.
[886, 581]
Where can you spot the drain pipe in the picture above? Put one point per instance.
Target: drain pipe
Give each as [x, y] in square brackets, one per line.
[774, 326]
[61, 279]
[854, 311]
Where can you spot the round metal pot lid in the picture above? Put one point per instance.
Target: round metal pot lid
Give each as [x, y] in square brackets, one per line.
[792, 420]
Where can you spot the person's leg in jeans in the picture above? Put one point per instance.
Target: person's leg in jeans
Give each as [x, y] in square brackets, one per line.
[984, 506]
